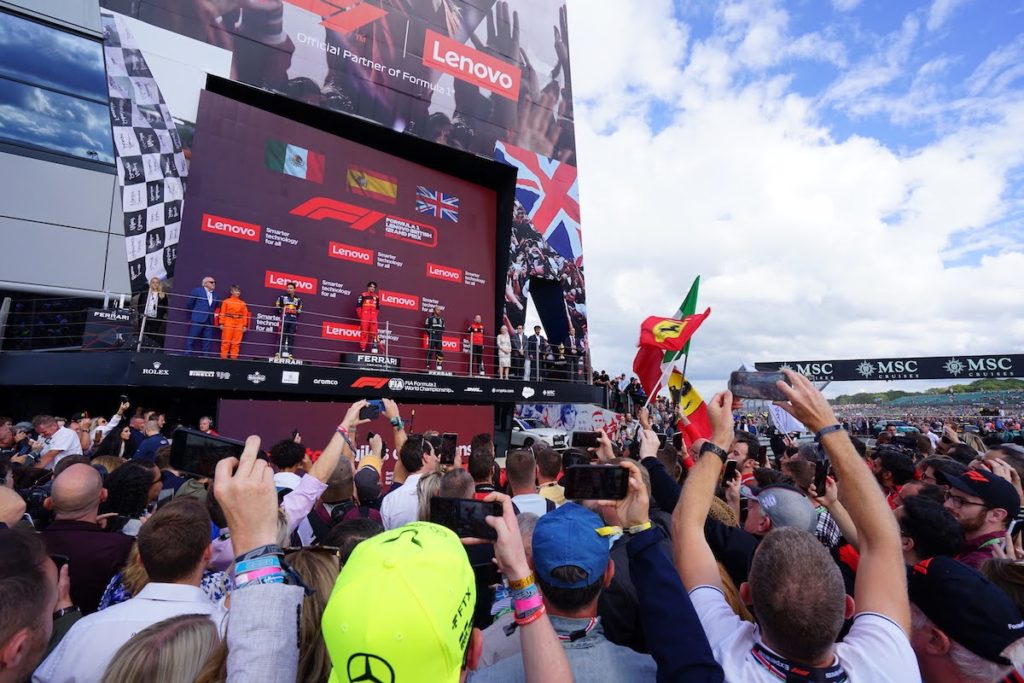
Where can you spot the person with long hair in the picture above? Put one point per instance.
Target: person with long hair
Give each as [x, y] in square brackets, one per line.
[170, 651]
[319, 568]
[130, 490]
[118, 443]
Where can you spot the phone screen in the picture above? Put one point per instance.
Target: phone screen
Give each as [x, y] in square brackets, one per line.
[371, 411]
[584, 440]
[821, 470]
[449, 442]
[596, 482]
[662, 440]
[730, 471]
[59, 560]
[198, 453]
[467, 518]
[759, 385]
[677, 441]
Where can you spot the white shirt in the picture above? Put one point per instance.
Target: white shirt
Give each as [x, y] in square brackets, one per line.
[934, 438]
[401, 506]
[85, 652]
[63, 440]
[209, 296]
[287, 480]
[531, 502]
[875, 650]
[150, 311]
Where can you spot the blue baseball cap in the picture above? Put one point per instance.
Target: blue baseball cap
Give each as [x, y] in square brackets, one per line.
[567, 536]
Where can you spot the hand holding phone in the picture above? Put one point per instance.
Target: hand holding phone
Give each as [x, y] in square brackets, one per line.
[467, 518]
[729, 473]
[821, 470]
[596, 482]
[584, 440]
[449, 444]
[757, 385]
[372, 410]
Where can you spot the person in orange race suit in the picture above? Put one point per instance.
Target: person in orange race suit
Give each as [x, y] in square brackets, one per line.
[233, 319]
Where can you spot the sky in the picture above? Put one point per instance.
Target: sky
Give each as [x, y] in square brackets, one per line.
[846, 176]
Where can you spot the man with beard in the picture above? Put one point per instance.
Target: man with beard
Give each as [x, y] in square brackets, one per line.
[893, 468]
[983, 503]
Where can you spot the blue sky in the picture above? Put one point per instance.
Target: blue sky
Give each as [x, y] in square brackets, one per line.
[847, 176]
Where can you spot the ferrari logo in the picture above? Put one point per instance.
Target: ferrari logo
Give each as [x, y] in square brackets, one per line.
[667, 329]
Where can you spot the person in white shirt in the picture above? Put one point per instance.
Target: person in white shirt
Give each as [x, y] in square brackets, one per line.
[794, 585]
[57, 442]
[174, 547]
[401, 506]
[521, 469]
[933, 438]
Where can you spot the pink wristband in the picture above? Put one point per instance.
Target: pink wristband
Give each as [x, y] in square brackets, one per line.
[528, 604]
[256, 574]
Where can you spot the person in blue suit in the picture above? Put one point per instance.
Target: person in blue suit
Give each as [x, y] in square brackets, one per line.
[202, 302]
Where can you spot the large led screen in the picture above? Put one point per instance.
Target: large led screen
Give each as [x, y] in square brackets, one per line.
[272, 201]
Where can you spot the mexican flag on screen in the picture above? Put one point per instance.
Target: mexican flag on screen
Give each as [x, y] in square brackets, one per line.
[294, 161]
[652, 364]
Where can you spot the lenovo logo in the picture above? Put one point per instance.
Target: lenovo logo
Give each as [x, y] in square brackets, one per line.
[465, 63]
[339, 331]
[398, 300]
[231, 228]
[347, 252]
[444, 273]
[276, 280]
[370, 383]
[319, 208]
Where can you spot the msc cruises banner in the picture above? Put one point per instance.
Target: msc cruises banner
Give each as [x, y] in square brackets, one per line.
[933, 367]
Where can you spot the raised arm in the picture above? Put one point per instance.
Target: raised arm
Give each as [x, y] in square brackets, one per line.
[341, 443]
[692, 555]
[881, 585]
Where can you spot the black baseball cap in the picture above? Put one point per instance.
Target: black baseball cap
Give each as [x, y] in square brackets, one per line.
[968, 608]
[995, 491]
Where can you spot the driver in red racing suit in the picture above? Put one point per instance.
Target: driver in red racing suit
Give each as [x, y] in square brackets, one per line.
[367, 307]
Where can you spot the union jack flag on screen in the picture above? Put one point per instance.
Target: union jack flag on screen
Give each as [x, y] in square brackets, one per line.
[549, 193]
[437, 204]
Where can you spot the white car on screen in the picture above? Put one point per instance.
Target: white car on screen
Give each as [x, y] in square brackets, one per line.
[527, 431]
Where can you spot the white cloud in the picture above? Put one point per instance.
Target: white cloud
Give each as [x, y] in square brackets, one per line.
[940, 12]
[811, 246]
[846, 5]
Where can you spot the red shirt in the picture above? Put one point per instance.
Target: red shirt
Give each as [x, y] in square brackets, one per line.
[476, 334]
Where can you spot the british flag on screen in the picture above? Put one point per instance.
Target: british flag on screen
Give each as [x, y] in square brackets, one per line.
[549, 192]
[437, 204]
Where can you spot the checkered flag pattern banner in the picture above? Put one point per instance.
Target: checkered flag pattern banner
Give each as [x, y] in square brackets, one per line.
[150, 164]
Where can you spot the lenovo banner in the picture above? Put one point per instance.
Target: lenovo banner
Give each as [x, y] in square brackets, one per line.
[934, 367]
[273, 203]
[315, 422]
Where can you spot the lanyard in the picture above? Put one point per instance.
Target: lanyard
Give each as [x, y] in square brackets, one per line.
[576, 635]
[791, 673]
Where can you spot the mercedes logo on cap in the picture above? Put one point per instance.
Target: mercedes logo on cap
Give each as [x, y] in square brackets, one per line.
[366, 668]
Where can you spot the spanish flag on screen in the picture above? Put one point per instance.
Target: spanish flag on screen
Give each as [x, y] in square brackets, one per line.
[294, 161]
[372, 184]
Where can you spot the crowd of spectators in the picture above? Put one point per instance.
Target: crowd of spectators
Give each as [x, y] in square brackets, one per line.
[116, 566]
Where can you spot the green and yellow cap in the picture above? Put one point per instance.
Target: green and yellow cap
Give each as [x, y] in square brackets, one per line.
[402, 608]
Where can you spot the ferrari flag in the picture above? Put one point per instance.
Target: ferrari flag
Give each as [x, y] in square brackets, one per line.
[670, 334]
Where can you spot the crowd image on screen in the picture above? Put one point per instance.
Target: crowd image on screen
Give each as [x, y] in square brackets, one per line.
[292, 562]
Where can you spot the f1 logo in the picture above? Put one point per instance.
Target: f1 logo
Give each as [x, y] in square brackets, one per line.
[319, 208]
[343, 16]
[370, 383]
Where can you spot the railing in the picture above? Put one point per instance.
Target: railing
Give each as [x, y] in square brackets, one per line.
[265, 339]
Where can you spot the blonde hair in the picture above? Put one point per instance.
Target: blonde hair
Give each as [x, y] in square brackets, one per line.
[169, 651]
[133, 576]
[426, 488]
[319, 569]
[107, 462]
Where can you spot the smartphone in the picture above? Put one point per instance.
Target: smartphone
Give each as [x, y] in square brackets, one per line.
[59, 560]
[197, 453]
[677, 441]
[467, 518]
[821, 470]
[759, 385]
[124, 399]
[730, 470]
[662, 440]
[372, 410]
[584, 440]
[446, 453]
[1016, 526]
[596, 482]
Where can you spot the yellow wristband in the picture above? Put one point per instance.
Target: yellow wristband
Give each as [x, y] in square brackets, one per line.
[520, 584]
[638, 528]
